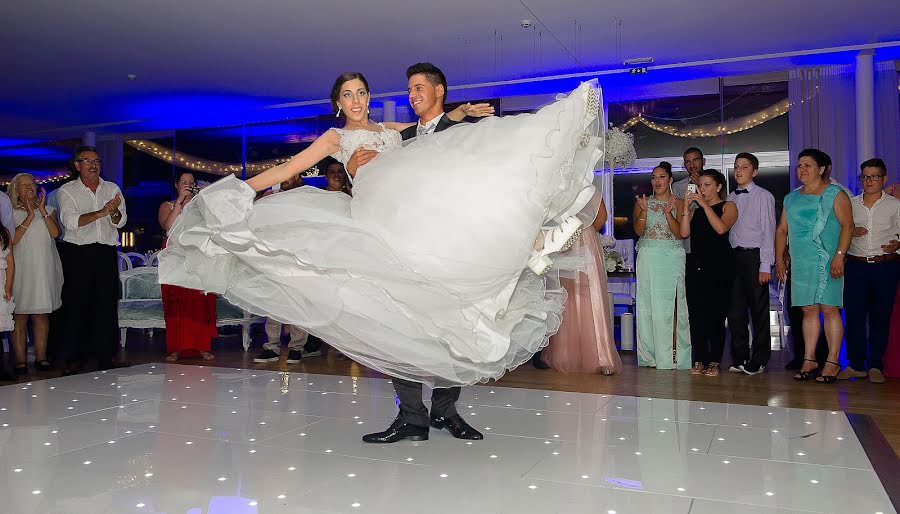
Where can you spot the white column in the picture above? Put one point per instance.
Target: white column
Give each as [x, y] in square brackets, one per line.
[89, 139]
[390, 110]
[111, 152]
[608, 184]
[865, 106]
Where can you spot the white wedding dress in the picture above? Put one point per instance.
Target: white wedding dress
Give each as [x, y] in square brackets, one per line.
[422, 274]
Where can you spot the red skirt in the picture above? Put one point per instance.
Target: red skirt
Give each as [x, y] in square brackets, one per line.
[892, 354]
[190, 317]
[190, 320]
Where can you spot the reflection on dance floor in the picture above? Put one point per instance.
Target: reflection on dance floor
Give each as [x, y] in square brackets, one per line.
[170, 438]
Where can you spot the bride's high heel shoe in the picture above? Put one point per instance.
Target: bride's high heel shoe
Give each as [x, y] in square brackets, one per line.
[558, 239]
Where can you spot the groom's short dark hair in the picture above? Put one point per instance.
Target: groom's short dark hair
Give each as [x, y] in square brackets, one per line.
[431, 72]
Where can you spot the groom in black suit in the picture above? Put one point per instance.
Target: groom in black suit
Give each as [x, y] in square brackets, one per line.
[427, 91]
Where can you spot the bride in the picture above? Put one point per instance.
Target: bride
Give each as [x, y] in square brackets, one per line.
[423, 274]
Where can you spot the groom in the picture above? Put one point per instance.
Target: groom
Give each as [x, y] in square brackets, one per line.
[427, 91]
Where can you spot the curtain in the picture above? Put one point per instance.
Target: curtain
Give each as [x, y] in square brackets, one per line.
[823, 115]
[887, 118]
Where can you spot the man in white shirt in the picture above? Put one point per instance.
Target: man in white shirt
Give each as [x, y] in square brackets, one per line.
[92, 211]
[872, 274]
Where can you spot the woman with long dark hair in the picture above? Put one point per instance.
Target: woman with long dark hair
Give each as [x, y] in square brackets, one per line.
[663, 331]
[190, 314]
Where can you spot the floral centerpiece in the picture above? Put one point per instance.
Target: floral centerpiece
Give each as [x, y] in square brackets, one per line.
[612, 260]
[620, 152]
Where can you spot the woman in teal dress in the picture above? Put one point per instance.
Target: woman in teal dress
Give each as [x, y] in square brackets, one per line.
[818, 221]
[663, 332]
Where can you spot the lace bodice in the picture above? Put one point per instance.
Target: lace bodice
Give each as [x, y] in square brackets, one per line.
[384, 140]
[657, 226]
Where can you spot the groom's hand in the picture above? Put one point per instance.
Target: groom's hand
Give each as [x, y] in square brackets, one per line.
[359, 158]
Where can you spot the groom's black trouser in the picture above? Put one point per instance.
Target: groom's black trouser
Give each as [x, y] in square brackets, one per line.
[412, 408]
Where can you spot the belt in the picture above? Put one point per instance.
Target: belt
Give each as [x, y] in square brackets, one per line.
[742, 249]
[872, 259]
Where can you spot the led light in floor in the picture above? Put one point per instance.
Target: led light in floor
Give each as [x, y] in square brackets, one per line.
[532, 487]
[140, 505]
[148, 475]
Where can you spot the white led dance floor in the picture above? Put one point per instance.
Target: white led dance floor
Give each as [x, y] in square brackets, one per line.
[185, 439]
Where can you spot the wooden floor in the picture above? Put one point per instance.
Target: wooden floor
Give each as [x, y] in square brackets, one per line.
[775, 387]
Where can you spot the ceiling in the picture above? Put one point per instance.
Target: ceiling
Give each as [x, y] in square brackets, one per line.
[214, 62]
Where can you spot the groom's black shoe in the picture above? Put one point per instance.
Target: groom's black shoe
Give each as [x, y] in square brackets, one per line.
[457, 427]
[398, 431]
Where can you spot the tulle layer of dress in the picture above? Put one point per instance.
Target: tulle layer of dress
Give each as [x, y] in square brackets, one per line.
[422, 274]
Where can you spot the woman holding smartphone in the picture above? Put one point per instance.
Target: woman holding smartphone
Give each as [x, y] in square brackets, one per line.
[710, 268]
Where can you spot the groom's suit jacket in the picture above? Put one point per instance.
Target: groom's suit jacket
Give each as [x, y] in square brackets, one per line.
[444, 123]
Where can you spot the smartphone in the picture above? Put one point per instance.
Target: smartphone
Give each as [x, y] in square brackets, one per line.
[692, 188]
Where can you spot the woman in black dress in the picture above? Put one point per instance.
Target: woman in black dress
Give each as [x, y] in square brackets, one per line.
[710, 268]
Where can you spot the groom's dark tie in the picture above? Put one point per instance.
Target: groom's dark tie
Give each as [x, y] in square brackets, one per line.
[740, 191]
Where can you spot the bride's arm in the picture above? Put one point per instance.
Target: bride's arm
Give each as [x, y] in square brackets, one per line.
[322, 147]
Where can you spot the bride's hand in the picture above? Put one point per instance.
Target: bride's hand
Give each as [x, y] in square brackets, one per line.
[477, 110]
[360, 157]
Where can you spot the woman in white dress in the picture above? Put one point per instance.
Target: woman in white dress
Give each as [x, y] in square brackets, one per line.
[423, 279]
[37, 287]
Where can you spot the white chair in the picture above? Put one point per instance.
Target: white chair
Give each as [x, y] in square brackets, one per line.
[141, 306]
[124, 262]
[137, 259]
[153, 258]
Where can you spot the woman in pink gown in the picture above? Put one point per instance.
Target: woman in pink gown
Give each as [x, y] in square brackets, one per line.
[892, 354]
[584, 342]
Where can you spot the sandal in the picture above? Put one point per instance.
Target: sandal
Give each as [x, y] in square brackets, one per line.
[806, 375]
[712, 370]
[829, 379]
[172, 357]
[43, 365]
[207, 356]
[21, 368]
[698, 369]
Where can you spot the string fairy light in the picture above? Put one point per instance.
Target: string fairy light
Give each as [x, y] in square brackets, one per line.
[714, 129]
[194, 163]
[58, 176]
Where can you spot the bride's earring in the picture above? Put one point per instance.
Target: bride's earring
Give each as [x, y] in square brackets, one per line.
[338, 115]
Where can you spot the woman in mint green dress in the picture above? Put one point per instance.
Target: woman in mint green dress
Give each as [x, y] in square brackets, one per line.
[663, 332]
[818, 221]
